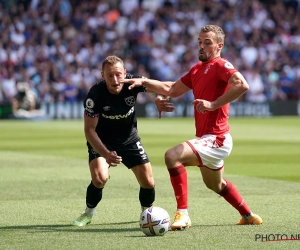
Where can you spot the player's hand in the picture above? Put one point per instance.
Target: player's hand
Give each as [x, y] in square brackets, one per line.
[163, 104]
[134, 82]
[202, 105]
[113, 159]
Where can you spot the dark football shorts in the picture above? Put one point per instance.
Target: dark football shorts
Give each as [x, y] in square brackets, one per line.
[132, 154]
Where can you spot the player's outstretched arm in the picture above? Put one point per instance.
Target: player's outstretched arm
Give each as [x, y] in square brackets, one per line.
[167, 88]
[153, 86]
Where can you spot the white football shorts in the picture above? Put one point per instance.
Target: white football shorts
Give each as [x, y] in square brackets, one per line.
[211, 150]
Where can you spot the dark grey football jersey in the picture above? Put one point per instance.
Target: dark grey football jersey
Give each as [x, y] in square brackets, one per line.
[117, 124]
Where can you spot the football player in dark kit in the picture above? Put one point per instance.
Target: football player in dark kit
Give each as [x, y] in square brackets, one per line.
[110, 127]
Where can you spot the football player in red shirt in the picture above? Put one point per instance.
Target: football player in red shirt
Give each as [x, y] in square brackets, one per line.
[215, 83]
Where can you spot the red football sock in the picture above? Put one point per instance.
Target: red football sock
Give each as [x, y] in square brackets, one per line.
[178, 177]
[231, 195]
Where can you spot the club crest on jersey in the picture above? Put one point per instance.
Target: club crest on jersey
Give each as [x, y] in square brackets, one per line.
[207, 68]
[89, 103]
[130, 101]
[228, 65]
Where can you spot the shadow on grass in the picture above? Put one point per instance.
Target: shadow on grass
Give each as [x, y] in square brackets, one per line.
[92, 228]
[70, 228]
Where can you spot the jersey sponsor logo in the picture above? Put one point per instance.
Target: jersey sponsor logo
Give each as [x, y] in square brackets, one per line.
[106, 108]
[130, 101]
[117, 117]
[89, 103]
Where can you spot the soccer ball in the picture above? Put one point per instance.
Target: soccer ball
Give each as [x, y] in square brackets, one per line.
[155, 221]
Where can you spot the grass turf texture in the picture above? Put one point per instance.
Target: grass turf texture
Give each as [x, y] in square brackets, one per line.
[44, 174]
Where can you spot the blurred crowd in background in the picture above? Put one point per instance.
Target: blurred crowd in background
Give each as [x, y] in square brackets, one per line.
[57, 46]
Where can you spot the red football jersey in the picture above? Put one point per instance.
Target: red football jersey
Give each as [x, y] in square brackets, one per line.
[208, 82]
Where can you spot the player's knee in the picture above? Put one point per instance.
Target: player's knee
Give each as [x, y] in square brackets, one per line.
[148, 184]
[169, 157]
[173, 156]
[151, 183]
[100, 181]
[216, 187]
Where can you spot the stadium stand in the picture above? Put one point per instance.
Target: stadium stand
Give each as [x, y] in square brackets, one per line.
[56, 45]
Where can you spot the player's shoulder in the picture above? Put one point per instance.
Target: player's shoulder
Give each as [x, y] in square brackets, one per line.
[100, 83]
[97, 85]
[223, 62]
[198, 65]
[96, 89]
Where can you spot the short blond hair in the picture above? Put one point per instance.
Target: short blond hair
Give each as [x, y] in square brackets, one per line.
[112, 60]
[220, 35]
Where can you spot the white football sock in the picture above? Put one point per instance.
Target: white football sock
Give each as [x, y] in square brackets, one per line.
[248, 216]
[143, 208]
[184, 211]
[90, 211]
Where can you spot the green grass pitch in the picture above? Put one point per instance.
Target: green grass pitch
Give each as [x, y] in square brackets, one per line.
[44, 175]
